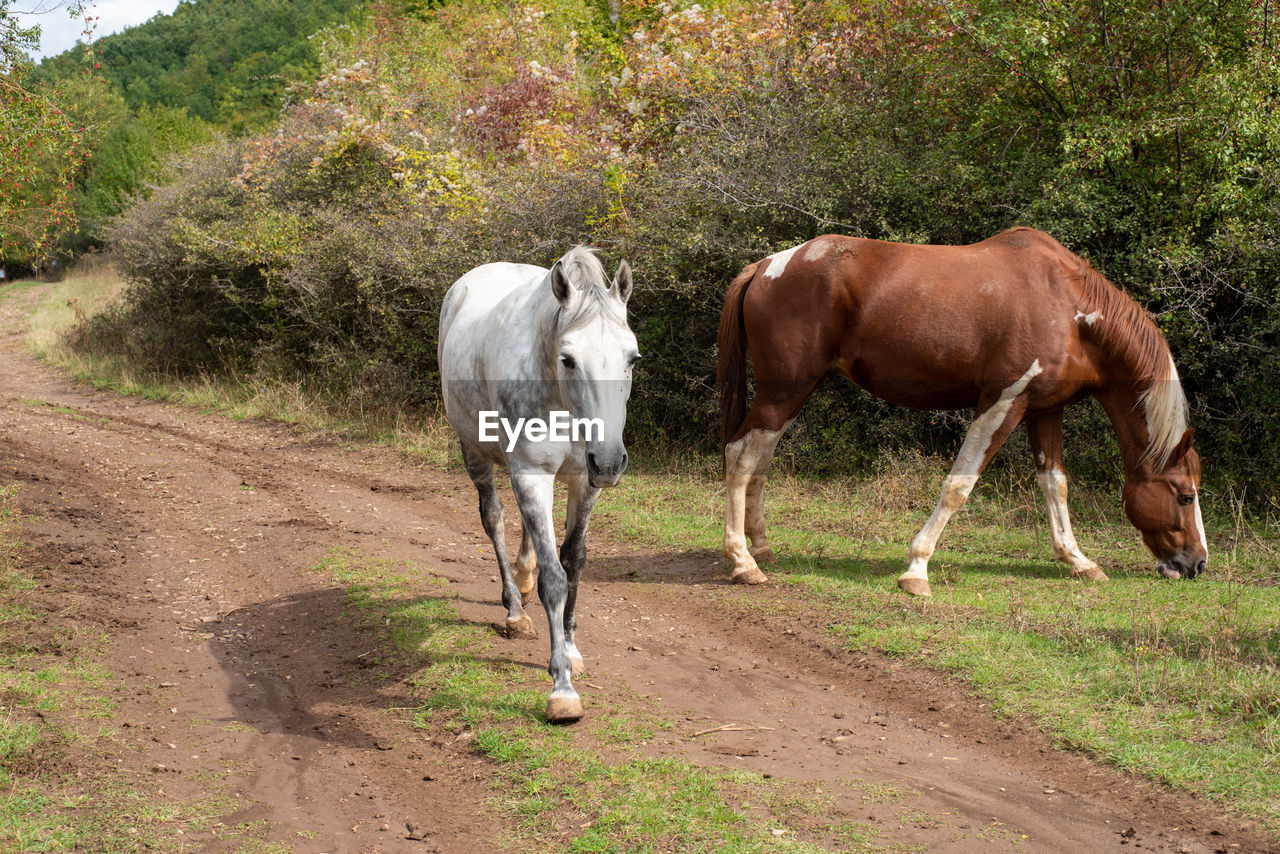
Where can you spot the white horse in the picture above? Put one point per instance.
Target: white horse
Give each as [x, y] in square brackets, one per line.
[536, 371]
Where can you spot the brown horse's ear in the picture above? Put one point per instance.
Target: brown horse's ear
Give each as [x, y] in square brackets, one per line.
[560, 285]
[1184, 445]
[622, 281]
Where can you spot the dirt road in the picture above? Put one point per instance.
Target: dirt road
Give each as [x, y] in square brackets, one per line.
[191, 538]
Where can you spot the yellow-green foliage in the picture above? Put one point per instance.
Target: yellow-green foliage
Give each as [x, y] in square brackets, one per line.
[695, 138]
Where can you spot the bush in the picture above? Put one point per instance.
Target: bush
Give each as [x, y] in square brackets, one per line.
[696, 140]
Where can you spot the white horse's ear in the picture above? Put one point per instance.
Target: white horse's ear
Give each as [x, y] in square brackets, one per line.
[560, 285]
[622, 281]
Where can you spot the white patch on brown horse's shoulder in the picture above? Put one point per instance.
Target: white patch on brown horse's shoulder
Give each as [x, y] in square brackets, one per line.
[1089, 319]
[778, 261]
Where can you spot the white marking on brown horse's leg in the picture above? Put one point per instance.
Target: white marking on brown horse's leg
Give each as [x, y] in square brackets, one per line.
[754, 521]
[959, 483]
[1053, 484]
[746, 464]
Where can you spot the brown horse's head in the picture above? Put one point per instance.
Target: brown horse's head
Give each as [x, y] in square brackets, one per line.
[1164, 506]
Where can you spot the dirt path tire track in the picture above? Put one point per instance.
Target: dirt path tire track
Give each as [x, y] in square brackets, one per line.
[192, 537]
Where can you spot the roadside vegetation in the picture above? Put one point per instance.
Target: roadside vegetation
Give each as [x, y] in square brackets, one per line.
[1179, 682]
[695, 138]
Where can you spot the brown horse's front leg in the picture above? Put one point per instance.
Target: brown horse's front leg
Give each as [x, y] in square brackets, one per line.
[996, 420]
[1044, 433]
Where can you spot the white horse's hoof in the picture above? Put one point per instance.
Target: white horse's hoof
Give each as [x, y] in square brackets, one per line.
[521, 627]
[564, 708]
[577, 666]
[763, 555]
[915, 586]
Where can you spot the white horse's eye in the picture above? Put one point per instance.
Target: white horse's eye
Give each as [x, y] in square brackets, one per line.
[568, 362]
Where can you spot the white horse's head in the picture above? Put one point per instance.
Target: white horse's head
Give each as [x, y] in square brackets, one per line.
[593, 351]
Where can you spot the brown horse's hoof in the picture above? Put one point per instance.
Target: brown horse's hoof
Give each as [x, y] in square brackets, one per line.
[764, 555]
[521, 627]
[1089, 573]
[526, 596]
[753, 575]
[577, 666]
[564, 709]
[915, 586]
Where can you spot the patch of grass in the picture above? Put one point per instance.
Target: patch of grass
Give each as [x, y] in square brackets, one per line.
[1179, 681]
[585, 789]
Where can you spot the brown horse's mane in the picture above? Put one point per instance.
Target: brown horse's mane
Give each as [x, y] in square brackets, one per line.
[1124, 331]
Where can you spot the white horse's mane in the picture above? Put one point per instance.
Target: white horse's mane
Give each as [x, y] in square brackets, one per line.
[596, 298]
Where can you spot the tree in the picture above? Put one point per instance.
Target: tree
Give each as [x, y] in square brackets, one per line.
[40, 147]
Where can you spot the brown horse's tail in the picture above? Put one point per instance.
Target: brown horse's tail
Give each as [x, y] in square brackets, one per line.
[731, 363]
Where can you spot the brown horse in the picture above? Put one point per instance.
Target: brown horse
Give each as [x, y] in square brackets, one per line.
[1016, 327]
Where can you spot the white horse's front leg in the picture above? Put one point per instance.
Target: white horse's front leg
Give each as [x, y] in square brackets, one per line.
[534, 493]
[573, 555]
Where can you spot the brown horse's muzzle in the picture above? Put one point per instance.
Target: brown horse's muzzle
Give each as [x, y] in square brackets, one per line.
[1182, 566]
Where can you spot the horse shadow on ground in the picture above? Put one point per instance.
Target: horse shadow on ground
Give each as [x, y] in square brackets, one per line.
[309, 665]
[707, 566]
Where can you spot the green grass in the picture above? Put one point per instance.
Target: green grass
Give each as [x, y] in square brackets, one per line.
[1178, 681]
[591, 788]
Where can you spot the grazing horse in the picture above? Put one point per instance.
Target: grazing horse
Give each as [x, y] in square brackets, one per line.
[1016, 327]
[536, 348]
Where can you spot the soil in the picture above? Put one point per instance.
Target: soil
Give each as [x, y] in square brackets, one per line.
[190, 538]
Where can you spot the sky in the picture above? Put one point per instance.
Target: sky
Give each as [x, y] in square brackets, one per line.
[58, 31]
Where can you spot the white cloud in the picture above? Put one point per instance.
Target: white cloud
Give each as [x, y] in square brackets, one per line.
[59, 31]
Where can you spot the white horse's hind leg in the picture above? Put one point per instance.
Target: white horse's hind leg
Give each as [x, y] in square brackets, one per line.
[534, 493]
[526, 567]
[986, 434]
[1045, 436]
[481, 471]
[573, 556]
[746, 466]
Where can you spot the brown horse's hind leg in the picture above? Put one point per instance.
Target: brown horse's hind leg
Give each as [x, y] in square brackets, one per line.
[746, 463]
[996, 420]
[1044, 432]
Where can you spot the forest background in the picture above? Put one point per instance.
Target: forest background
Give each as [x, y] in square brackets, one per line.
[291, 187]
